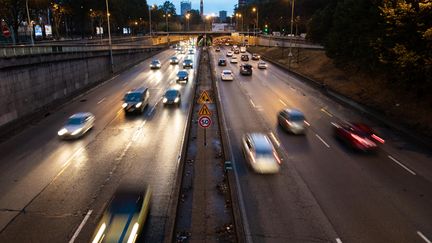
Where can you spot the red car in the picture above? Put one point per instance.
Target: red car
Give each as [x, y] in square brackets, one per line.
[357, 135]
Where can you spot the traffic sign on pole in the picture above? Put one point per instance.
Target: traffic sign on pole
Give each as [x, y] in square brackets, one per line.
[204, 111]
[204, 98]
[204, 121]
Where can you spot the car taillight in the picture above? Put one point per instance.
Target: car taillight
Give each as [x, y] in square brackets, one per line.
[378, 139]
[362, 141]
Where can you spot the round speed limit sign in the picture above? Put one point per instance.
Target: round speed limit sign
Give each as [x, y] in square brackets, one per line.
[204, 121]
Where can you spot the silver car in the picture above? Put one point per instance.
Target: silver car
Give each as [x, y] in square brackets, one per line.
[77, 125]
[292, 120]
[259, 152]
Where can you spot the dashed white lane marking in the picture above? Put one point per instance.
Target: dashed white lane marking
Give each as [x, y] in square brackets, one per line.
[81, 226]
[423, 237]
[124, 151]
[283, 103]
[322, 140]
[326, 112]
[338, 240]
[253, 104]
[100, 101]
[401, 165]
[307, 123]
[275, 139]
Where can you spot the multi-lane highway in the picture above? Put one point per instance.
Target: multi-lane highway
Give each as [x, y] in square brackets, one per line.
[324, 192]
[55, 191]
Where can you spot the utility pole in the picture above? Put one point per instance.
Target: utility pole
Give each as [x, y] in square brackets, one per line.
[29, 23]
[109, 37]
[292, 22]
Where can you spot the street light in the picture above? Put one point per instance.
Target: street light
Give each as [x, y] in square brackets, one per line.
[187, 20]
[29, 23]
[292, 22]
[109, 37]
[239, 15]
[257, 19]
[166, 20]
[150, 27]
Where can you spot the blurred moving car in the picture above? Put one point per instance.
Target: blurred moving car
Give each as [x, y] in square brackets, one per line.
[227, 75]
[357, 135]
[229, 54]
[182, 76]
[174, 60]
[155, 64]
[259, 152]
[262, 65]
[292, 120]
[171, 97]
[124, 217]
[188, 63]
[222, 62]
[246, 69]
[136, 100]
[217, 49]
[245, 58]
[77, 125]
[255, 56]
[242, 49]
[236, 51]
[234, 60]
[191, 51]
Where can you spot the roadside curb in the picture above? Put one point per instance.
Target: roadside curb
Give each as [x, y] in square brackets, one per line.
[340, 98]
[238, 222]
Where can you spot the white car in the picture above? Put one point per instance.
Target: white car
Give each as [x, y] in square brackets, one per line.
[229, 54]
[259, 152]
[262, 65]
[77, 125]
[227, 75]
[234, 60]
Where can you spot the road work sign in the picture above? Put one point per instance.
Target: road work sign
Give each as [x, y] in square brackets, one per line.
[204, 98]
[204, 111]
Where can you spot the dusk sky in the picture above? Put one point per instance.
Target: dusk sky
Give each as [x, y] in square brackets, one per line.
[210, 6]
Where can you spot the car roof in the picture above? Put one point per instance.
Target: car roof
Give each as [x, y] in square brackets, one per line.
[294, 112]
[81, 115]
[260, 140]
[172, 89]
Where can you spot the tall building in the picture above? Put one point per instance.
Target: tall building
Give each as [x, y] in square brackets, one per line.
[242, 2]
[185, 6]
[222, 15]
[201, 8]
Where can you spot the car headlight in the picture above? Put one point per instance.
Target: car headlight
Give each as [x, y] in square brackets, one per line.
[124, 105]
[164, 100]
[138, 104]
[62, 132]
[133, 235]
[176, 100]
[77, 131]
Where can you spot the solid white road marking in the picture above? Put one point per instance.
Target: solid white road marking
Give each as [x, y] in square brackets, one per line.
[100, 101]
[325, 111]
[322, 140]
[402, 165]
[124, 151]
[283, 103]
[81, 226]
[253, 104]
[423, 237]
[338, 240]
[275, 139]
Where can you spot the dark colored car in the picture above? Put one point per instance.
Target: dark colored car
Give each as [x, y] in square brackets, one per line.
[182, 76]
[136, 100]
[255, 56]
[246, 69]
[358, 136]
[236, 51]
[217, 49]
[125, 216]
[222, 62]
[188, 63]
[245, 58]
[155, 64]
[171, 97]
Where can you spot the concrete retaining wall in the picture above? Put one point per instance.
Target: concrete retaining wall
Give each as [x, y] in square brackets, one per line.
[29, 88]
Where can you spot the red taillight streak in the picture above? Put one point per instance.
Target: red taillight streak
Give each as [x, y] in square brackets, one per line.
[378, 138]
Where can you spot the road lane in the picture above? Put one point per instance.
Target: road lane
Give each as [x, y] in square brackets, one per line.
[358, 193]
[57, 198]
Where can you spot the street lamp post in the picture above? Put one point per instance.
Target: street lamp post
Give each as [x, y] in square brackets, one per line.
[167, 15]
[292, 22]
[150, 25]
[29, 23]
[187, 20]
[109, 37]
[257, 19]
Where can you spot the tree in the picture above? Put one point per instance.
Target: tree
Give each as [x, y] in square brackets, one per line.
[168, 8]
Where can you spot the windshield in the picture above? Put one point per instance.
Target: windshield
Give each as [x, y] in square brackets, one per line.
[296, 117]
[171, 94]
[227, 72]
[155, 62]
[263, 151]
[75, 121]
[133, 97]
[182, 73]
[125, 204]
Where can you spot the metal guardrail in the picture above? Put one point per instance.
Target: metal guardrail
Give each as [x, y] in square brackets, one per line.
[16, 51]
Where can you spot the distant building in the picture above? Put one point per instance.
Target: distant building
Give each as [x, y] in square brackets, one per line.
[201, 8]
[185, 7]
[242, 2]
[222, 15]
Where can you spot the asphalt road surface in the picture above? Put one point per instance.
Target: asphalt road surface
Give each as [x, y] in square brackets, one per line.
[324, 192]
[49, 187]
